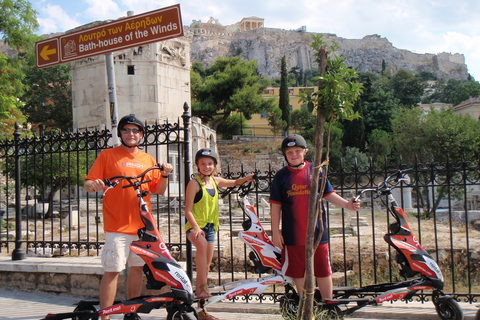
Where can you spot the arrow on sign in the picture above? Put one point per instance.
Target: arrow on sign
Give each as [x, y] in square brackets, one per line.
[45, 53]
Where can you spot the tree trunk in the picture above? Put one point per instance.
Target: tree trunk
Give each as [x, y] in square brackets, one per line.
[306, 308]
[55, 187]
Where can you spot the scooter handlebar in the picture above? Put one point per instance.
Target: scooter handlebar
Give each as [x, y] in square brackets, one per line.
[386, 185]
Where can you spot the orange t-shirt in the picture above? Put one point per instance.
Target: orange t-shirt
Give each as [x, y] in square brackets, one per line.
[121, 205]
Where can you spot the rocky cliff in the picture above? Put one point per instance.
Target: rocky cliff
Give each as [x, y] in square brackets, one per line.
[267, 46]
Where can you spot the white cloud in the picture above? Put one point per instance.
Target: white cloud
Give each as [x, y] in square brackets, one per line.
[422, 26]
[53, 18]
[103, 10]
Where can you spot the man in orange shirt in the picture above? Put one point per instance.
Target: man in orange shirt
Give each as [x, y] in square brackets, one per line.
[120, 208]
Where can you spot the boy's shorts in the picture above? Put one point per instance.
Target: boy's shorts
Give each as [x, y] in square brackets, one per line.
[293, 261]
[116, 252]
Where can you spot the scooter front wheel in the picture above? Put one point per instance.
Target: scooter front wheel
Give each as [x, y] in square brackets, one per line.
[477, 315]
[180, 313]
[85, 312]
[448, 309]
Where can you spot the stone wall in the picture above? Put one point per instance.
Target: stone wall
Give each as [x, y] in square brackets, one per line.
[241, 154]
[268, 45]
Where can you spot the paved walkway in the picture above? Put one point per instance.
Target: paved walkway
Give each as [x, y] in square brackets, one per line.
[18, 305]
[15, 304]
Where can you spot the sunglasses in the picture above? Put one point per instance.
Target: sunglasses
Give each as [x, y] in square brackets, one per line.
[127, 130]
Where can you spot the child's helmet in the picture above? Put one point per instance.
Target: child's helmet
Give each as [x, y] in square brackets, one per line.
[294, 140]
[206, 152]
[130, 119]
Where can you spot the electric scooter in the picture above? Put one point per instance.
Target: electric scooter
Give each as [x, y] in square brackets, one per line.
[160, 269]
[414, 261]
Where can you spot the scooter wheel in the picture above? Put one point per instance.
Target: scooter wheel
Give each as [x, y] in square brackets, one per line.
[448, 309]
[477, 315]
[85, 312]
[289, 305]
[329, 312]
[181, 313]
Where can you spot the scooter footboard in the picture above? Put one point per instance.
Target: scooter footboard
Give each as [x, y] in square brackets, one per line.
[140, 304]
[245, 287]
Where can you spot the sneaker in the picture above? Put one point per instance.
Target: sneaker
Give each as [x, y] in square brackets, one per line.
[131, 316]
[204, 315]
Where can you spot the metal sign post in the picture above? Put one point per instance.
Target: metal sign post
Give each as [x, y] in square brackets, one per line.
[112, 94]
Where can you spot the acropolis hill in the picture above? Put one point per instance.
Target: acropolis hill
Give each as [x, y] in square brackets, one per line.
[267, 45]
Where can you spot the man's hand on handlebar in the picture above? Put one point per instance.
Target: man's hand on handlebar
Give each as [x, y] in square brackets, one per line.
[94, 185]
[165, 169]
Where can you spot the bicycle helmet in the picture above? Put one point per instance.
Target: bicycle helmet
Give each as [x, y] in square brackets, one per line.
[130, 119]
[294, 140]
[206, 152]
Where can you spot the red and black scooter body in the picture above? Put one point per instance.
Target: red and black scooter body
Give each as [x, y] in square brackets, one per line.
[412, 258]
[160, 268]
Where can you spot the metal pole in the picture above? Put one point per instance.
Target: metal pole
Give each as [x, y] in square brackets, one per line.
[186, 151]
[112, 95]
[18, 253]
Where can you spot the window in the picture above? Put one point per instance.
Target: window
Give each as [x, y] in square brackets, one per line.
[131, 70]
[263, 115]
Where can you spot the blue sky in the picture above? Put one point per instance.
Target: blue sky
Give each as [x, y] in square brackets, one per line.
[421, 26]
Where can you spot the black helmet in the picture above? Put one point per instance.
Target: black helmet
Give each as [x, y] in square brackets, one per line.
[294, 140]
[130, 119]
[206, 152]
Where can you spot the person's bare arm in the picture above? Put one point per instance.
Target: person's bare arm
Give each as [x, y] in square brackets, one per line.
[277, 238]
[226, 183]
[337, 200]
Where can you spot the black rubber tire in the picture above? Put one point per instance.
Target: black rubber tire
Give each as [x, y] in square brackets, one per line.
[333, 312]
[477, 315]
[289, 305]
[180, 313]
[448, 309]
[85, 312]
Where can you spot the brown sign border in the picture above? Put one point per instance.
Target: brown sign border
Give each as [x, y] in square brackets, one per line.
[149, 27]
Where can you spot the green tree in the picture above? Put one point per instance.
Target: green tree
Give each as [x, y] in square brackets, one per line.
[284, 99]
[337, 91]
[48, 100]
[234, 125]
[230, 85]
[354, 130]
[378, 114]
[11, 89]
[51, 171]
[302, 120]
[457, 91]
[436, 133]
[17, 25]
[354, 157]
[18, 21]
[438, 136]
[408, 88]
[275, 121]
[379, 145]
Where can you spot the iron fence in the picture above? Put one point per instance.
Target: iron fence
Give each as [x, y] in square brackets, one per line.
[45, 210]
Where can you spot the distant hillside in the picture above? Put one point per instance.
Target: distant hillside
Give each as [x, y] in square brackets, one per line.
[268, 45]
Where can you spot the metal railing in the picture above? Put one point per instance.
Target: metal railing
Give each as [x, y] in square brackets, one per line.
[45, 211]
